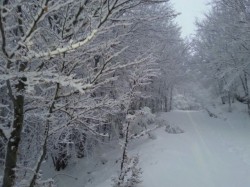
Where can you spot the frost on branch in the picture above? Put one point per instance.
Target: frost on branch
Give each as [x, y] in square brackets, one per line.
[45, 77]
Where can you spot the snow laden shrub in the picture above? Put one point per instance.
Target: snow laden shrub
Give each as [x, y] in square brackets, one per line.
[173, 129]
[142, 119]
[131, 174]
[45, 183]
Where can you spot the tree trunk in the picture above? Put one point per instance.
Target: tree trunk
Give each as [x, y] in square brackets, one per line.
[248, 105]
[166, 104]
[171, 98]
[14, 140]
[42, 156]
[247, 93]
[124, 155]
[18, 114]
[229, 102]
[46, 136]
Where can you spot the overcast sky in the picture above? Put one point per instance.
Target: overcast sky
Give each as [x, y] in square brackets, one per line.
[189, 9]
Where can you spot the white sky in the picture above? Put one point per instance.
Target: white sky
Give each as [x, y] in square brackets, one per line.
[190, 10]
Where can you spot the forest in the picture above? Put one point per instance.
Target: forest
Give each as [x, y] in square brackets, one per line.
[88, 86]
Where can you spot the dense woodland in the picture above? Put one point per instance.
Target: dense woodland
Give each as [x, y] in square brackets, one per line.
[221, 48]
[77, 73]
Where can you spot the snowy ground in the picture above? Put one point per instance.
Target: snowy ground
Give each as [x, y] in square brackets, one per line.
[213, 152]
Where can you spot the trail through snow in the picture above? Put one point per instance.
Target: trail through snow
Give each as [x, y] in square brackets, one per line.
[213, 152]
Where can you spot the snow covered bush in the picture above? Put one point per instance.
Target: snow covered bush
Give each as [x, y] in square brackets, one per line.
[131, 175]
[142, 120]
[173, 129]
[45, 183]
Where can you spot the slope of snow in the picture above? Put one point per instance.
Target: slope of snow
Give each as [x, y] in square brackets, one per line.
[213, 152]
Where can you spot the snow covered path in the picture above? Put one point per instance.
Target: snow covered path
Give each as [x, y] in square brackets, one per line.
[211, 153]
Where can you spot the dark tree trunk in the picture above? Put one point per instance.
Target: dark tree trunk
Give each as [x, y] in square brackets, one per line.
[14, 140]
[18, 114]
[42, 157]
[166, 104]
[124, 155]
[229, 102]
[247, 93]
[171, 98]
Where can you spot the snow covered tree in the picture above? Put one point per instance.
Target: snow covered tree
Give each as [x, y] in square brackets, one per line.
[129, 170]
[222, 46]
[56, 56]
[160, 36]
